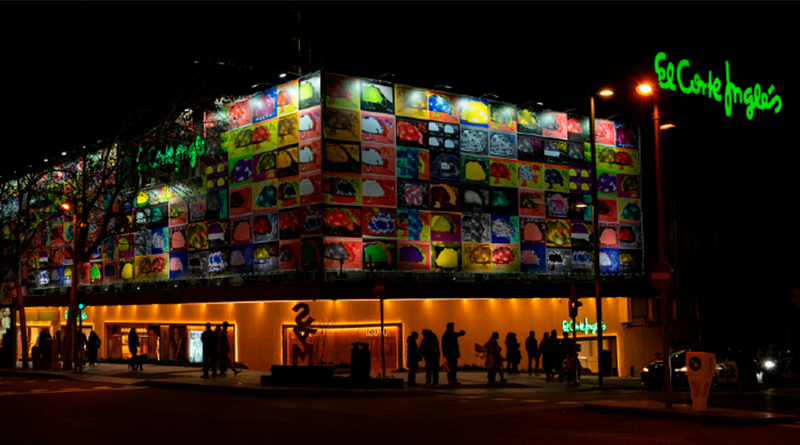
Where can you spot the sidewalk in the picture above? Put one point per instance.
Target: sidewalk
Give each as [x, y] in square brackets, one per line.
[682, 412]
[249, 382]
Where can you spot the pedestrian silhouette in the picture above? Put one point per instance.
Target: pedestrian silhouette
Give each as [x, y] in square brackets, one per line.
[513, 353]
[224, 349]
[494, 360]
[412, 358]
[209, 339]
[451, 352]
[548, 352]
[92, 345]
[429, 347]
[532, 348]
[133, 347]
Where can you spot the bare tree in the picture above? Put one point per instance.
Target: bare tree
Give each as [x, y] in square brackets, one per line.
[100, 191]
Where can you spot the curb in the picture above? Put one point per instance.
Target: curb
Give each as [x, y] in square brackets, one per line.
[36, 374]
[710, 417]
[284, 392]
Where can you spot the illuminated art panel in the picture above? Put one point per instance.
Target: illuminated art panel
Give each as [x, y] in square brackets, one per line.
[330, 171]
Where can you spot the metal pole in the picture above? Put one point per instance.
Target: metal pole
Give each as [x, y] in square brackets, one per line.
[68, 361]
[665, 318]
[596, 240]
[79, 365]
[383, 345]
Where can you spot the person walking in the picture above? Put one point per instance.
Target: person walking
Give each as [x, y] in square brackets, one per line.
[548, 351]
[92, 345]
[513, 353]
[215, 353]
[133, 347]
[412, 358]
[532, 348]
[451, 352]
[225, 349]
[494, 361]
[209, 339]
[429, 347]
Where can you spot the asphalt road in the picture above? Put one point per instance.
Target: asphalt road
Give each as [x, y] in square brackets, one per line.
[65, 411]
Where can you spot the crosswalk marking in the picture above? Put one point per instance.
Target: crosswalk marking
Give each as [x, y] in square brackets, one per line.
[533, 401]
[502, 398]
[791, 425]
[568, 403]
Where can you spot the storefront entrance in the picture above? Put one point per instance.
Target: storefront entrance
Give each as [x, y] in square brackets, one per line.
[179, 343]
[589, 354]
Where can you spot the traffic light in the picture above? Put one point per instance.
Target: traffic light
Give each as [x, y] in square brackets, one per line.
[574, 304]
[81, 300]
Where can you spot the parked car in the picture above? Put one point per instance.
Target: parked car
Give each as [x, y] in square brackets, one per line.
[780, 370]
[733, 368]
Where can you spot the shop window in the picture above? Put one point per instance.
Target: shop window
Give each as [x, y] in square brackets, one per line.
[332, 344]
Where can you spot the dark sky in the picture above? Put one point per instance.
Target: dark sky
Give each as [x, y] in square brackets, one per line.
[70, 80]
[522, 52]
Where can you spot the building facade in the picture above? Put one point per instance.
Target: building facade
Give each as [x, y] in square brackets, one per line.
[475, 211]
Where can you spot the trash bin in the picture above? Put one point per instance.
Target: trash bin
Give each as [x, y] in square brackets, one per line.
[607, 365]
[359, 361]
[36, 358]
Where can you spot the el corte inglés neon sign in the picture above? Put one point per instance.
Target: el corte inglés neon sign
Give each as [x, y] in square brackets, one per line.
[583, 326]
[173, 155]
[754, 97]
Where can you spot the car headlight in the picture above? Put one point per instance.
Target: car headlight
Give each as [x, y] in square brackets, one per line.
[681, 369]
[769, 364]
[645, 370]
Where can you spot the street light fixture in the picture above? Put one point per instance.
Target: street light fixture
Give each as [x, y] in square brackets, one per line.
[595, 229]
[73, 298]
[646, 90]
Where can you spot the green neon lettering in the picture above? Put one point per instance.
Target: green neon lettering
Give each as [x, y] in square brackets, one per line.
[776, 97]
[661, 72]
[83, 315]
[699, 85]
[752, 97]
[714, 87]
[583, 326]
[681, 65]
[730, 91]
[174, 155]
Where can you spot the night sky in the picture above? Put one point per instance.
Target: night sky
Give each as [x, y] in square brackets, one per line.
[71, 89]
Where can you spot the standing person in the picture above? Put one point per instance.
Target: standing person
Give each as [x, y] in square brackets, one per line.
[547, 350]
[215, 353]
[532, 348]
[91, 347]
[451, 352]
[513, 353]
[558, 363]
[133, 347]
[82, 350]
[209, 339]
[494, 361]
[412, 358]
[429, 347]
[225, 348]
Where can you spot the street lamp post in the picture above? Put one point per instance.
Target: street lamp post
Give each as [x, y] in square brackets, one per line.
[596, 237]
[69, 206]
[647, 90]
